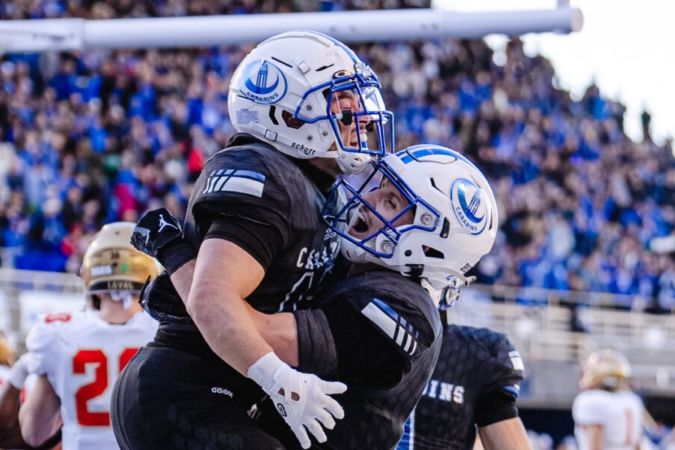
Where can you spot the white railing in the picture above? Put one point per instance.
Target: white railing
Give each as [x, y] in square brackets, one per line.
[28, 279]
[543, 334]
[537, 321]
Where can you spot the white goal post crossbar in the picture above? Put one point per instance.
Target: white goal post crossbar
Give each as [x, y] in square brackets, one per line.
[348, 26]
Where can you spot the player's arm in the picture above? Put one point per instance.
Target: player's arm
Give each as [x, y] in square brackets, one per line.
[10, 431]
[214, 297]
[594, 436]
[39, 415]
[496, 415]
[589, 412]
[506, 434]
[280, 331]
[216, 303]
[215, 300]
[10, 401]
[499, 426]
[338, 340]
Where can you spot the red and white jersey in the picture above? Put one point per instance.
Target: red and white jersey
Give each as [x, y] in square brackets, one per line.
[619, 413]
[82, 356]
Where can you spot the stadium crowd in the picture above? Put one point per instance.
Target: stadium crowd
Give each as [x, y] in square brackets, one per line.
[98, 136]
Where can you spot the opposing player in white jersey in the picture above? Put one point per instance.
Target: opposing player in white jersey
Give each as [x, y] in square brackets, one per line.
[607, 414]
[79, 356]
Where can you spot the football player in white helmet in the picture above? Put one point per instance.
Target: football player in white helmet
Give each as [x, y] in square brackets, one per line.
[305, 108]
[377, 329]
[445, 195]
[303, 93]
[607, 414]
[78, 356]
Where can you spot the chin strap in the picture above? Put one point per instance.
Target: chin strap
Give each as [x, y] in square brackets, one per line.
[448, 295]
[353, 163]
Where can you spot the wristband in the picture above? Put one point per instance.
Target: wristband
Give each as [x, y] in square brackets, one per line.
[173, 257]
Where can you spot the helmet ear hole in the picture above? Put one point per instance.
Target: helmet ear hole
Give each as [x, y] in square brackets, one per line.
[290, 121]
[430, 252]
[446, 228]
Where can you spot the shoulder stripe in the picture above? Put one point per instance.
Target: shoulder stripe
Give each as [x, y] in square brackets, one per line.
[393, 325]
[241, 181]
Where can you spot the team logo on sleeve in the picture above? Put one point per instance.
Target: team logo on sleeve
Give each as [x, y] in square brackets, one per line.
[264, 83]
[467, 204]
[240, 181]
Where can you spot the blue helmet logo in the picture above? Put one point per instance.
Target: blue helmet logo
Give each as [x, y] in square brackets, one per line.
[467, 204]
[264, 83]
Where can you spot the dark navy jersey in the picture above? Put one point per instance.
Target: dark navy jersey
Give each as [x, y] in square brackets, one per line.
[380, 333]
[268, 204]
[474, 363]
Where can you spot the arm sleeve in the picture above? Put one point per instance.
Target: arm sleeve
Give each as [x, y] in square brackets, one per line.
[496, 406]
[363, 349]
[316, 346]
[506, 367]
[260, 240]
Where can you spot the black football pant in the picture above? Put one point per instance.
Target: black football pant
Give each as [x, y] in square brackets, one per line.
[170, 399]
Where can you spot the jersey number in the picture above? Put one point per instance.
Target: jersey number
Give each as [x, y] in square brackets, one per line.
[299, 291]
[98, 386]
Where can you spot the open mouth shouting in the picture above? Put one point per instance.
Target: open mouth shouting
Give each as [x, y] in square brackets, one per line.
[361, 223]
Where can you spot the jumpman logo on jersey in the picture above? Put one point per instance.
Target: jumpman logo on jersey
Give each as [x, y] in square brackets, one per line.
[163, 223]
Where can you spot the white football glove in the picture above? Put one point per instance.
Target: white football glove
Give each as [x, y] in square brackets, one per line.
[20, 371]
[302, 399]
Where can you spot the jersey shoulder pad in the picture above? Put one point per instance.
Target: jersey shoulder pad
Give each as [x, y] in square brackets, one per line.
[590, 407]
[46, 329]
[407, 329]
[43, 338]
[242, 173]
[502, 362]
[501, 351]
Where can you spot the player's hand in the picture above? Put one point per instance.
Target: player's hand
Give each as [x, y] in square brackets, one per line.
[302, 399]
[156, 230]
[20, 371]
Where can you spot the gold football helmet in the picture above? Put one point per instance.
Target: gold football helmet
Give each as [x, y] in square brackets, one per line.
[604, 369]
[111, 264]
[6, 352]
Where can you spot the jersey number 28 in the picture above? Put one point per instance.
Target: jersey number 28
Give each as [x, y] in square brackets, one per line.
[98, 386]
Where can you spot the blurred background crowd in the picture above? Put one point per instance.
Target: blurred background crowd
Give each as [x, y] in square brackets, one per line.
[98, 136]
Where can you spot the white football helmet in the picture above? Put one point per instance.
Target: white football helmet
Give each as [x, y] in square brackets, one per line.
[453, 208]
[283, 93]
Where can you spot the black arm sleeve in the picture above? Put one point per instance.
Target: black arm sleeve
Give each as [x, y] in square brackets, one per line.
[259, 239]
[316, 346]
[363, 354]
[495, 406]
